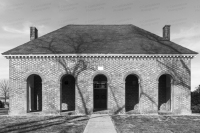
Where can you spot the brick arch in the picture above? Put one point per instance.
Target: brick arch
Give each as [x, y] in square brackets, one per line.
[132, 92]
[100, 72]
[100, 96]
[34, 91]
[133, 73]
[31, 73]
[67, 92]
[163, 73]
[165, 94]
[62, 75]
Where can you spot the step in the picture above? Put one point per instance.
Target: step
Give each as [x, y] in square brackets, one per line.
[102, 112]
[165, 113]
[68, 113]
[133, 112]
[4, 111]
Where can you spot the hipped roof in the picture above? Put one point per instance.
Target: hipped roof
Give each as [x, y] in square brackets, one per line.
[99, 39]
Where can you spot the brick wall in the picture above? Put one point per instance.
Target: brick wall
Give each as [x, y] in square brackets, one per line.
[84, 70]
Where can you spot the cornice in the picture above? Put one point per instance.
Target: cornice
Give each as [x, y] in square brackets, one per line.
[102, 55]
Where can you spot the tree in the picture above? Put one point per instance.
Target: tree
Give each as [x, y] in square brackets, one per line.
[77, 43]
[195, 100]
[197, 89]
[178, 67]
[4, 87]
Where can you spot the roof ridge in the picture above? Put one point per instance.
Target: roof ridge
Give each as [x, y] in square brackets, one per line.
[99, 24]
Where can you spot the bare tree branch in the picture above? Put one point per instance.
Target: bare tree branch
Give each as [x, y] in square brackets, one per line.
[78, 43]
[4, 87]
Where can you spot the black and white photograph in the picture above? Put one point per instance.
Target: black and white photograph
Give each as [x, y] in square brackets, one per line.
[99, 66]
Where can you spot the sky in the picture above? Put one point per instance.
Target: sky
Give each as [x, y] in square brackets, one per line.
[16, 17]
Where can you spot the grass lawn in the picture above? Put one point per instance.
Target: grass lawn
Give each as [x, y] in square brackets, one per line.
[156, 124]
[43, 124]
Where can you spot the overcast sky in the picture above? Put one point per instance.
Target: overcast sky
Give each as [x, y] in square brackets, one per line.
[16, 17]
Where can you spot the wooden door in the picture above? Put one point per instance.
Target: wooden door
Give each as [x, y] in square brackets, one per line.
[100, 96]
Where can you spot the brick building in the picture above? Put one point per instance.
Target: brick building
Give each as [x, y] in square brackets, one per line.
[87, 68]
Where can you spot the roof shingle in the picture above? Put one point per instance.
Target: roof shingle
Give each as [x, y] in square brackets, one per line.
[99, 39]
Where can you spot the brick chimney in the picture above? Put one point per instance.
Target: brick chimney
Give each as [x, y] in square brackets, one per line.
[33, 33]
[166, 32]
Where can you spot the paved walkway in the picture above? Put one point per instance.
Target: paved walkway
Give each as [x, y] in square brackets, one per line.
[100, 123]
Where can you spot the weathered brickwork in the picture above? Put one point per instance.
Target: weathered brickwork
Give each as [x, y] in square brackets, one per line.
[85, 69]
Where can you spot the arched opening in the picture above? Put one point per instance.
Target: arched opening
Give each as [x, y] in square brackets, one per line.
[68, 93]
[100, 92]
[34, 91]
[131, 93]
[164, 93]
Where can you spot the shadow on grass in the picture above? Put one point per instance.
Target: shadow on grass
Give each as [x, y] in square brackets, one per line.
[152, 123]
[54, 123]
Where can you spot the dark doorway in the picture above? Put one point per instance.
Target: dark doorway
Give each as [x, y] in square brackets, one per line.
[34, 91]
[68, 93]
[131, 92]
[100, 92]
[164, 93]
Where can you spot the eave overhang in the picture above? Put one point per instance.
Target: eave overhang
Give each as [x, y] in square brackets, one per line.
[102, 55]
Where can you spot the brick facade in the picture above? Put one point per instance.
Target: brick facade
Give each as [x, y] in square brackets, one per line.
[84, 69]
